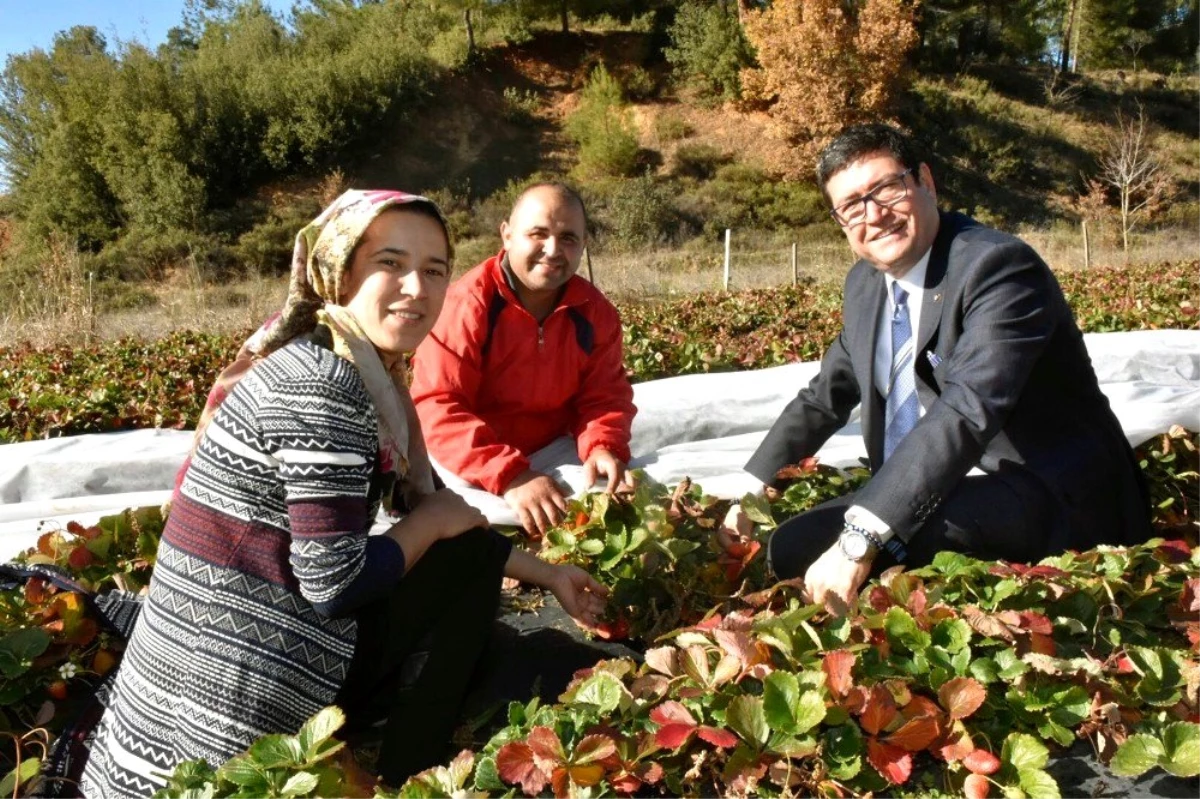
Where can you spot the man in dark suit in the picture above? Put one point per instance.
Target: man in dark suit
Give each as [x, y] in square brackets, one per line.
[985, 426]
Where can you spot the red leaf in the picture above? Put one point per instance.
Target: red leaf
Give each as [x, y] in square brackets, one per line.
[711, 623]
[921, 706]
[981, 761]
[560, 782]
[75, 527]
[672, 712]
[80, 558]
[962, 696]
[723, 739]
[650, 772]
[917, 602]
[879, 710]
[879, 598]
[673, 736]
[547, 749]
[35, 591]
[976, 786]
[856, 700]
[892, 762]
[838, 666]
[916, 734]
[514, 764]
[1042, 644]
[593, 748]
[1036, 622]
[956, 745]
[1190, 600]
[625, 783]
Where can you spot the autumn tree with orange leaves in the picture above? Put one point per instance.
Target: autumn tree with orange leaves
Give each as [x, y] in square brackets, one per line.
[824, 64]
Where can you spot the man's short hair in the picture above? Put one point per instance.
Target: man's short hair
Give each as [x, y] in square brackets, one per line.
[859, 141]
[564, 192]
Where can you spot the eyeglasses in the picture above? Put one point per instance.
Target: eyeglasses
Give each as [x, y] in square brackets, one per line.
[885, 195]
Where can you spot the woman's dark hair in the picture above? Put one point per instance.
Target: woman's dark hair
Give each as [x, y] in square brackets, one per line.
[858, 141]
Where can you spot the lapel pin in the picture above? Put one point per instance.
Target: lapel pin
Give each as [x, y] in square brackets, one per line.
[937, 297]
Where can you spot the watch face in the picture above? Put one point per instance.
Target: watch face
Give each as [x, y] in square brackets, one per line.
[854, 545]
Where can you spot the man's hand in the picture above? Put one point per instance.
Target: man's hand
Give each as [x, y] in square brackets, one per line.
[603, 462]
[539, 501]
[579, 594]
[833, 579]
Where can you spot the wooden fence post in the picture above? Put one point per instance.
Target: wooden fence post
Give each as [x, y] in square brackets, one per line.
[1087, 250]
[588, 253]
[795, 266]
[727, 237]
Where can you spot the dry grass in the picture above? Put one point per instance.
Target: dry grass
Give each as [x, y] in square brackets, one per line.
[185, 300]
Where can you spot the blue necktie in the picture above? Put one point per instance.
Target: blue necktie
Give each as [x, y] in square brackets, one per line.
[902, 408]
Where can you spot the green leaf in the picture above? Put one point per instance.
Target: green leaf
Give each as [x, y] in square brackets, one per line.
[1182, 744]
[1011, 666]
[781, 694]
[243, 770]
[601, 690]
[745, 715]
[902, 629]
[951, 635]
[301, 783]
[1038, 784]
[26, 770]
[25, 645]
[1023, 751]
[273, 751]
[487, 777]
[985, 670]
[810, 711]
[1137, 755]
[758, 510]
[591, 546]
[319, 729]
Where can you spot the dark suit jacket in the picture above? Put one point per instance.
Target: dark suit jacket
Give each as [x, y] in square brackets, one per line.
[1013, 391]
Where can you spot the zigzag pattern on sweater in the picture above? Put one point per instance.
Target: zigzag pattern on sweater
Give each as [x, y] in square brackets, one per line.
[219, 655]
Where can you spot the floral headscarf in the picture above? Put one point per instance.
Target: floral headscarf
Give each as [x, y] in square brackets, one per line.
[320, 262]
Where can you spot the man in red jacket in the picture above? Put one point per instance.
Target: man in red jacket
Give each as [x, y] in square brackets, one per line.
[526, 352]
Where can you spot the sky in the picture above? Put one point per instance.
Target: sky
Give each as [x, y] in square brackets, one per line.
[25, 24]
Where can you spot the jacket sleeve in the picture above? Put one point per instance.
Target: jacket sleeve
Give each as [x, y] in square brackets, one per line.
[324, 442]
[447, 373]
[1007, 321]
[604, 408]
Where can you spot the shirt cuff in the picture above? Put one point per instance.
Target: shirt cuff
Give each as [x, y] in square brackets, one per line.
[861, 517]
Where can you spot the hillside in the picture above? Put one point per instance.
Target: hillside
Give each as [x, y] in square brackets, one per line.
[1011, 144]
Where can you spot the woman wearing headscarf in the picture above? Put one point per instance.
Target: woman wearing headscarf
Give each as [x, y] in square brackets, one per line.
[269, 599]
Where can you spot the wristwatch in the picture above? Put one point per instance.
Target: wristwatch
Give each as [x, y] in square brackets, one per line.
[858, 543]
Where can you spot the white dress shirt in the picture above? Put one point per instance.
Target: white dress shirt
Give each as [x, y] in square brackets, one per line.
[913, 282]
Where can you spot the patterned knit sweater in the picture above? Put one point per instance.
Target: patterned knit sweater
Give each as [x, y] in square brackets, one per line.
[248, 626]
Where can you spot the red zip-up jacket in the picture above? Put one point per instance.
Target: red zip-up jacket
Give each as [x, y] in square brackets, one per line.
[491, 386]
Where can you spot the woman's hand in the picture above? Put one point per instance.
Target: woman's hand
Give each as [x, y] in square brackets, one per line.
[580, 595]
[447, 514]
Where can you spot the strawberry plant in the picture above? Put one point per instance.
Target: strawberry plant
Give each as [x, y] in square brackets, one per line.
[960, 677]
[54, 648]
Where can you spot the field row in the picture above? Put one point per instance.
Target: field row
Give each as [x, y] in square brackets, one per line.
[130, 383]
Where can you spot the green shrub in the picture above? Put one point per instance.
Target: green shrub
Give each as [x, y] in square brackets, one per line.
[709, 50]
[608, 143]
[639, 84]
[670, 127]
[700, 161]
[636, 213]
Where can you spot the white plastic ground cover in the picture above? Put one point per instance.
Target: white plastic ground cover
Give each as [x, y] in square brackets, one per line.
[700, 426]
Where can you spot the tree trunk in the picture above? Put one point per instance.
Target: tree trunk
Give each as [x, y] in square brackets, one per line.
[470, 33]
[562, 7]
[1064, 56]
